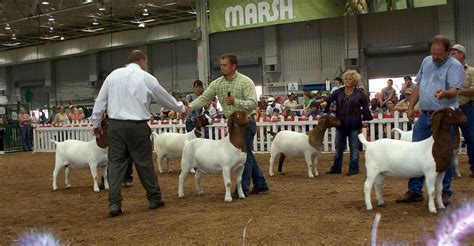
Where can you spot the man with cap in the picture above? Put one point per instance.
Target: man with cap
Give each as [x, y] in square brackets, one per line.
[272, 104]
[403, 105]
[466, 102]
[407, 85]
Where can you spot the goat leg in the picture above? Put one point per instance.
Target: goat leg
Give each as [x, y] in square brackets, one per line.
[280, 163]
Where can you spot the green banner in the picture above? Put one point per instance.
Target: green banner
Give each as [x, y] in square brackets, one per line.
[227, 15]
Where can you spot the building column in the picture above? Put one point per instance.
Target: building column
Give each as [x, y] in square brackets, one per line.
[201, 35]
[50, 81]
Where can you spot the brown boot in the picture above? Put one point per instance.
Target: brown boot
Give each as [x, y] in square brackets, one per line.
[410, 197]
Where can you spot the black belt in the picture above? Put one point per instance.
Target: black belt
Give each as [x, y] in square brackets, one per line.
[469, 104]
[132, 121]
[428, 112]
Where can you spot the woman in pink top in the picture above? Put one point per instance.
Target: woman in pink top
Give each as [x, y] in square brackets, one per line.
[25, 130]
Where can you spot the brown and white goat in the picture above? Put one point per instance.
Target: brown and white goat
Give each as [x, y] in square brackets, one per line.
[296, 144]
[430, 157]
[226, 156]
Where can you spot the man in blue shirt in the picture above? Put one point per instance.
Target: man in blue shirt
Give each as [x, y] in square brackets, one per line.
[439, 79]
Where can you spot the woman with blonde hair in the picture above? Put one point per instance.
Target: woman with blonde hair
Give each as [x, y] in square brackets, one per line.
[61, 117]
[352, 107]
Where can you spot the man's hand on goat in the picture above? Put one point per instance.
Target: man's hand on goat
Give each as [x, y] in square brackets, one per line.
[98, 132]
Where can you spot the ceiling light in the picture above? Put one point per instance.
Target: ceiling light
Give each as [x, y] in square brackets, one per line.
[13, 36]
[143, 21]
[87, 1]
[145, 12]
[7, 27]
[95, 22]
[102, 8]
[50, 18]
[51, 29]
[92, 30]
[49, 38]
[169, 4]
[62, 38]
[45, 2]
[11, 44]
[192, 12]
[141, 25]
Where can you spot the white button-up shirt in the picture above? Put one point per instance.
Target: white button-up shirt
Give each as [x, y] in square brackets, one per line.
[126, 94]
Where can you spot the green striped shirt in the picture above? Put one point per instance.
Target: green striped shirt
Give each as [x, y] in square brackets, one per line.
[240, 87]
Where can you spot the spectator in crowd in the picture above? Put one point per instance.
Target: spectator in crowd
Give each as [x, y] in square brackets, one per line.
[387, 93]
[466, 102]
[313, 110]
[307, 101]
[34, 120]
[236, 91]
[42, 117]
[277, 115]
[72, 114]
[262, 103]
[129, 133]
[197, 91]
[2, 132]
[25, 130]
[291, 102]
[80, 114]
[272, 104]
[337, 84]
[408, 85]
[61, 117]
[402, 106]
[352, 107]
[439, 79]
[54, 112]
[210, 110]
[374, 107]
[390, 108]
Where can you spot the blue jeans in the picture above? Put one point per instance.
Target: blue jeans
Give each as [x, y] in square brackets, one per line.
[422, 131]
[25, 138]
[468, 133]
[251, 168]
[189, 125]
[341, 136]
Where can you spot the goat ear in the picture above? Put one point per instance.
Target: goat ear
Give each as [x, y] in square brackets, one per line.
[436, 119]
[230, 123]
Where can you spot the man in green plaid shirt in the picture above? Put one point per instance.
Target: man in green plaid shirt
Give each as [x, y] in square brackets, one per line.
[236, 92]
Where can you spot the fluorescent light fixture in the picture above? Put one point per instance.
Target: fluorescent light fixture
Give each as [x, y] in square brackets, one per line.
[62, 38]
[145, 12]
[192, 12]
[7, 27]
[11, 44]
[87, 1]
[169, 4]
[45, 2]
[51, 29]
[143, 21]
[13, 36]
[102, 8]
[141, 25]
[50, 18]
[95, 22]
[92, 30]
[49, 38]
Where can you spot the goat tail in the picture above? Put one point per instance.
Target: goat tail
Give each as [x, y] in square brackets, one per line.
[54, 142]
[272, 133]
[398, 130]
[363, 140]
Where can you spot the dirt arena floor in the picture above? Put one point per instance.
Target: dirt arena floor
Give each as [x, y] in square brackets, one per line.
[325, 210]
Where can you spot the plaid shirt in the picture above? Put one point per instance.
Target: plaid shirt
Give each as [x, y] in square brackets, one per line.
[468, 83]
[240, 87]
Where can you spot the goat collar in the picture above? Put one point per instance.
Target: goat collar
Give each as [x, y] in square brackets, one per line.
[197, 132]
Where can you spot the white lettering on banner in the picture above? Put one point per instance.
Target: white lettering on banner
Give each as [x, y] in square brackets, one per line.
[258, 13]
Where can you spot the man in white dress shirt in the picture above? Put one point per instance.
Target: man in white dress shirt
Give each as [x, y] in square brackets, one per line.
[126, 95]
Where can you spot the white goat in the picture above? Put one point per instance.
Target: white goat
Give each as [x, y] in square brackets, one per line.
[429, 157]
[170, 145]
[297, 144]
[79, 154]
[227, 155]
[407, 137]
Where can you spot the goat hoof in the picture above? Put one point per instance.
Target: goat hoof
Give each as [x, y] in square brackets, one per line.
[96, 190]
[170, 171]
[380, 204]
[434, 211]
[281, 174]
[55, 189]
[68, 186]
[200, 193]
[272, 174]
[228, 199]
